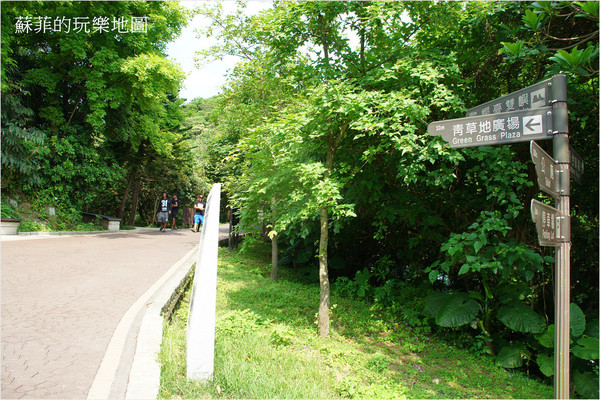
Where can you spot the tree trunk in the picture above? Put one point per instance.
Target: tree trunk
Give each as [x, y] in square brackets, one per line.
[362, 42]
[134, 203]
[323, 319]
[274, 256]
[323, 322]
[230, 244]
[126, 194]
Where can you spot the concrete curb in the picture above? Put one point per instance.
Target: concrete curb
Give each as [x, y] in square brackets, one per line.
[61, 234]
[143, 378]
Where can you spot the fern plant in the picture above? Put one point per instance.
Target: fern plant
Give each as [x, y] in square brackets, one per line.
[8, 212]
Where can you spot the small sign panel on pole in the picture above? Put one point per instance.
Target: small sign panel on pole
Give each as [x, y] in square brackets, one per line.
[576, 163]
[552, 227]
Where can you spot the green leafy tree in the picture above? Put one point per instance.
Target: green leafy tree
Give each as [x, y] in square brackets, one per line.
[335, 112]
[19, 143]
[104, 100]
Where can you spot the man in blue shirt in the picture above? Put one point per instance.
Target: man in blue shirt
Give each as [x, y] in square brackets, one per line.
[199, 206]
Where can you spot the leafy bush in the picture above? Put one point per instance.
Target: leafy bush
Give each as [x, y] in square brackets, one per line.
[358, 288]
[584, 352]
[504, 310]
[534, 341]
[29, 225]
[281, 336]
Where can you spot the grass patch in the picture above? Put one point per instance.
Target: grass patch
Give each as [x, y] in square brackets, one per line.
[267, 347]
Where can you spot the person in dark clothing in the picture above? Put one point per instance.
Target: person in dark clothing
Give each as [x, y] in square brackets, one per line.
[174, 210]
[163, 211]
[199, 206]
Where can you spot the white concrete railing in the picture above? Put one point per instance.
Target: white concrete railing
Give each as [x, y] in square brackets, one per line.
[203, 302]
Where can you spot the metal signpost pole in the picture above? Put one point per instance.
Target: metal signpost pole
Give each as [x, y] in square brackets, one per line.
[560, 144]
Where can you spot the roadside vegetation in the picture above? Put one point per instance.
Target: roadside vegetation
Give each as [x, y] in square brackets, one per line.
[267, 347]
[322, 147]
[38, 218]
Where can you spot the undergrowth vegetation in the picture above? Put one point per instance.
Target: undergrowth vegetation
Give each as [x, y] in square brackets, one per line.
[37, 216]
[267, 347]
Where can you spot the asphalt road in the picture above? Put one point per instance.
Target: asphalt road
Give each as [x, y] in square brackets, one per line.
[62, 298]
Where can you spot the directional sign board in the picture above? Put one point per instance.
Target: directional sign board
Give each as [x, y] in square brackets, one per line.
[552, 228]
[503, 128]
[547, 171]
[576, 163]
[539, 95]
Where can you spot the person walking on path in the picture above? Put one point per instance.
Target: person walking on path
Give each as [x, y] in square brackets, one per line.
[174, 210]
[199, 206]
[163, 211]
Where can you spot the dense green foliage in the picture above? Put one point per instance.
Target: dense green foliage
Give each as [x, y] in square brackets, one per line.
[91, 118]
[325, 121]
[266, 347]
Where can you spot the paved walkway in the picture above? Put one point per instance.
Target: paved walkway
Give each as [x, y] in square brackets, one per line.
[62, 298]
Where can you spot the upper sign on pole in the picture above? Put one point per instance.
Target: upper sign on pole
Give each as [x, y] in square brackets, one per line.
[539, 95]
[516, 126]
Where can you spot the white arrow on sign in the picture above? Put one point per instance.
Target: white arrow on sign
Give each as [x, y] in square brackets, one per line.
[532, 125]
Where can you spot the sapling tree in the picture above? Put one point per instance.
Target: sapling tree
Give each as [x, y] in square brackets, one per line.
[347, 108]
